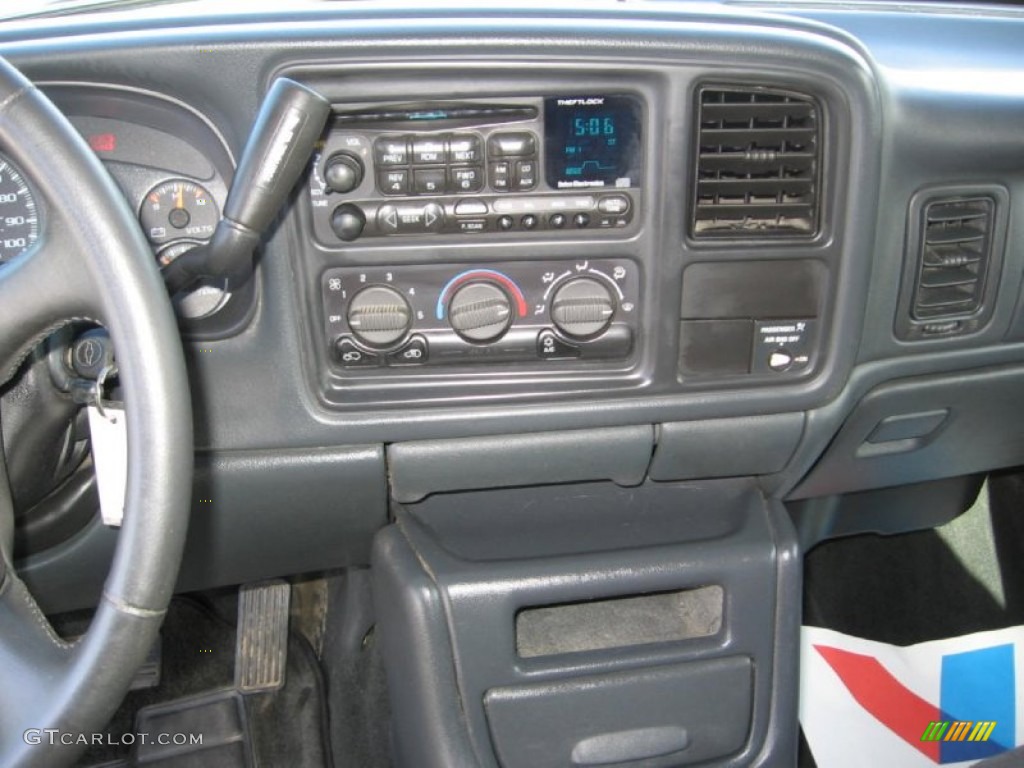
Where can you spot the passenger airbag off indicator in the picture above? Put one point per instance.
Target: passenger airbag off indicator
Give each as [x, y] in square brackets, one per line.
[783, 346]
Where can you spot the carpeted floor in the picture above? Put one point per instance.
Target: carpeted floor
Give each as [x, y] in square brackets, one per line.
[287, 727]
[963, 577]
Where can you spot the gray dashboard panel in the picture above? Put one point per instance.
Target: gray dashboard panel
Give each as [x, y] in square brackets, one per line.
[255, 515]
[902, 116]
[238, 378]
[419, 468]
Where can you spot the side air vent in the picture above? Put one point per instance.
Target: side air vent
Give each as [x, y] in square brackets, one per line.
[956, 237]
[758, 163]
[955, 250]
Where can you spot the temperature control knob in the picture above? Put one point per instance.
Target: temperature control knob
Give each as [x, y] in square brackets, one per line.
[480, 311]
[582, 307]
[379, 316]
[344, 172]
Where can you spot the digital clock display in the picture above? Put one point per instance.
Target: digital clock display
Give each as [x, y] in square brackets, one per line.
[592, 141]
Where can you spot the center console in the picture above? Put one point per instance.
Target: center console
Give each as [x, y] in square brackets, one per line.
[591, 625]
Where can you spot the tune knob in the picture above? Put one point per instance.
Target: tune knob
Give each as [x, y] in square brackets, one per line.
[480, 311]
[348, 221]
[343, 173]
[582, 307]
[379, 316]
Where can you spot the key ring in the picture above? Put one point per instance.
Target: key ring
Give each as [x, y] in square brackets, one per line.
[106, 372]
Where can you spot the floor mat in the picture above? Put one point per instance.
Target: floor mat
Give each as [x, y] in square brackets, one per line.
[286, 728]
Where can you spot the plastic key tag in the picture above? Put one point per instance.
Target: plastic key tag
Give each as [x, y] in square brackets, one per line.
[109, 436]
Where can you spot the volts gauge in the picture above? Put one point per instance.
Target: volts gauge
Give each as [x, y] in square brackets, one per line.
[178, 209]
[178, 215]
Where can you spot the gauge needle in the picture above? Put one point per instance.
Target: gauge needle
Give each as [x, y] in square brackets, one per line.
[179, 201]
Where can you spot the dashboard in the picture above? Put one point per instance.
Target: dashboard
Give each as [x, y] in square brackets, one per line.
[629, 242]
[570, 302]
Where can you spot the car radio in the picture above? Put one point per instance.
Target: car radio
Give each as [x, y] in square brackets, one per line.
[557, 164]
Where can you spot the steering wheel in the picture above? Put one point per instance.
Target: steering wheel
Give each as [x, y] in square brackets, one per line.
[90, 262]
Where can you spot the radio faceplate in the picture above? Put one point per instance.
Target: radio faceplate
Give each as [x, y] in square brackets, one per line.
[562, 165]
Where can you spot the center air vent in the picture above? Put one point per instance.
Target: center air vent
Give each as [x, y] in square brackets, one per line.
[758, 163]
[955, 247]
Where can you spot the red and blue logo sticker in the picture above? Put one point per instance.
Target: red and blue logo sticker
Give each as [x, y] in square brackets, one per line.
[976, 686]
[949, 702]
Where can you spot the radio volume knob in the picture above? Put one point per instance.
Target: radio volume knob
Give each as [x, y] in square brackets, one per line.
[582, 307]
[379, 316]
[344, 172]
[480, 311]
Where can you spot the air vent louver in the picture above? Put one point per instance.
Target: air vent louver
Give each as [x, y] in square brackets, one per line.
[956, 246]
[757, 164]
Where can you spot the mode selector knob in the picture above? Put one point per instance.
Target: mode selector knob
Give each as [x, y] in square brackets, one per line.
[344, 172]
[379, 316]
[480, 311]
[582, 307]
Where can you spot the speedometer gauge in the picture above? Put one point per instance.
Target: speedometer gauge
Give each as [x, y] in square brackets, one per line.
[19, 217]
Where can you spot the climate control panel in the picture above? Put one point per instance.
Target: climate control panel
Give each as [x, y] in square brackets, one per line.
[544, 312]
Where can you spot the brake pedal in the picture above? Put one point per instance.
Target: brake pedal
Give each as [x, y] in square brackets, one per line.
[261, 654]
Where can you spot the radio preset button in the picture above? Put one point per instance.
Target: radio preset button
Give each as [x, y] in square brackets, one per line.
[427, 152]
[557, 220]
[428, 181]
[394, 182]
[511, 144]
[540, 203]
[529, 221]
[581, 220]
[391, 150]
[469, 179]
[464, 148]
[506, 222]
